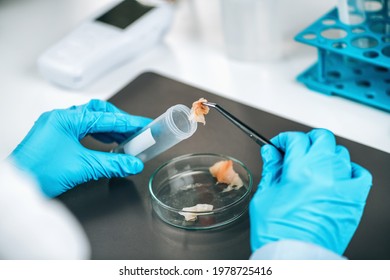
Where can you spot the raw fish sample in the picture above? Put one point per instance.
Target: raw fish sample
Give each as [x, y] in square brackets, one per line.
[224, 173]
[191, 212]
[198, 111]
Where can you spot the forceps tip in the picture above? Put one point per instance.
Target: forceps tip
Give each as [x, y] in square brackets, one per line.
[209, 104]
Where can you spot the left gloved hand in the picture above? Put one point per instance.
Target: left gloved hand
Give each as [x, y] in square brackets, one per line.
[52, 151]
[313, 194]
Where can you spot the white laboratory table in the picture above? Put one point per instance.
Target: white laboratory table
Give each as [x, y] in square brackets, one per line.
[192, 52]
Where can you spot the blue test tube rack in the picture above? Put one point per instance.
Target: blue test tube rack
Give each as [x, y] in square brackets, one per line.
[353, 60]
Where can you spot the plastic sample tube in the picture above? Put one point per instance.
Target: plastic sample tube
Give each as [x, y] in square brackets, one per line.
[351, 12]
[161, 134]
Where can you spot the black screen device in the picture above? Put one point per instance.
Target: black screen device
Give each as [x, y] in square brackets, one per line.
[124, 14]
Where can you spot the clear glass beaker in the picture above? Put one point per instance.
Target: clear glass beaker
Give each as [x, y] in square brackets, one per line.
[252, 29]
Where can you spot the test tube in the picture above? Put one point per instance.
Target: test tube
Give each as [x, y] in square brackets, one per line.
[351, 12]
[161, 134]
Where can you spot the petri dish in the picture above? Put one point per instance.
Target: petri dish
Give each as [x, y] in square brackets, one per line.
[185, 181]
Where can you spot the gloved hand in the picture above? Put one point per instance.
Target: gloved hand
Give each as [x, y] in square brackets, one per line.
[313, 194]
[52, 152]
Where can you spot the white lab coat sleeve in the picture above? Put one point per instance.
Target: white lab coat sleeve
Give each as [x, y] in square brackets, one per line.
[33, 226]
[294, 250]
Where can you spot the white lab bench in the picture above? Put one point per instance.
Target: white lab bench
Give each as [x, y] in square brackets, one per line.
[193, 52]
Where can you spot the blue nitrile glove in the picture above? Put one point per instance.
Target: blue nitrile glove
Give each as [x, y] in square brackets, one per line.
[314, 194]
[52, 152]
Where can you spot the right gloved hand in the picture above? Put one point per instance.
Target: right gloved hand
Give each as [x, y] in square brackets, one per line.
[313, 194]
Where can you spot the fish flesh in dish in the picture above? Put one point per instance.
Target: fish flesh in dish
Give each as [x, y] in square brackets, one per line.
[191, 213]
[224, 173]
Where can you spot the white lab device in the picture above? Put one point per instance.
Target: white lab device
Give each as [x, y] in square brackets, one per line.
[114, 35]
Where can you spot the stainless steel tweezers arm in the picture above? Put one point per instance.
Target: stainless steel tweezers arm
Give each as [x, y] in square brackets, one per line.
[258, 138]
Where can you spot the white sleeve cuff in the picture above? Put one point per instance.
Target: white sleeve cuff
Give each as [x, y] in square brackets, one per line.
[294, 250]
[33, 226]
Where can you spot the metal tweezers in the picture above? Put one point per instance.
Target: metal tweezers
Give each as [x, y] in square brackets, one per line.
[258, 138]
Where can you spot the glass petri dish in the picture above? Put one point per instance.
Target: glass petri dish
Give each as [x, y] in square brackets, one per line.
[186, 181]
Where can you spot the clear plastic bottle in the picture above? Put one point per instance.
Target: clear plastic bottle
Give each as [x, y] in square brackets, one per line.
[161, 134]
